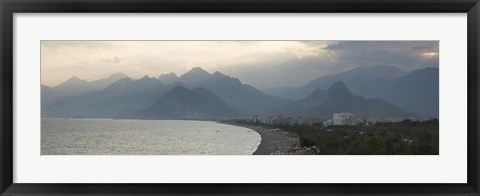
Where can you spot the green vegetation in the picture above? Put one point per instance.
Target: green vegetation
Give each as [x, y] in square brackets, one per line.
[402, 138]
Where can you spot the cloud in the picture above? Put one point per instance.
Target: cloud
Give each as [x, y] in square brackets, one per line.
[259, 63]
[137, 58]
[113, 60]
[332, 57]
[406, 55]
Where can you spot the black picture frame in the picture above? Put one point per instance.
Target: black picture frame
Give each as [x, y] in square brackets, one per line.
[10, 7]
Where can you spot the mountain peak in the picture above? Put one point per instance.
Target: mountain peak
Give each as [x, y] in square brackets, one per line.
[194, 76]
[338, 85]
[197, 70]
[73, 81]
[339, 90]
[147, 81]
[168, 78]
[74, 78]
[171, 74]
[144, 78]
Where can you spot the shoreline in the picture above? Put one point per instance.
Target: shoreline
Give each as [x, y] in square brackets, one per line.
[273, 141]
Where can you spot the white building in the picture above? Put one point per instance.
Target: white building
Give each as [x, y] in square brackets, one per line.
[343, 118]
[327, 123]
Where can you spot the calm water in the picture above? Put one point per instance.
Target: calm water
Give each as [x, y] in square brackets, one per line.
[145, 137]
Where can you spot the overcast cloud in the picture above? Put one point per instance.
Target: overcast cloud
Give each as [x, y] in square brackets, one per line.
[263, 64]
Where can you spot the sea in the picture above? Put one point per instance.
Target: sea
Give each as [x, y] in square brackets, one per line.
[82, 136]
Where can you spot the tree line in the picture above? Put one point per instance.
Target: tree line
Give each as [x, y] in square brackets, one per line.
[393, 138]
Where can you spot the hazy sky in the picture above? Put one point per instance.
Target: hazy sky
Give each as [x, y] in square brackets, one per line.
[263, 64]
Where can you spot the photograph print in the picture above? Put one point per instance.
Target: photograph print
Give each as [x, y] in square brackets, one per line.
[239, 97]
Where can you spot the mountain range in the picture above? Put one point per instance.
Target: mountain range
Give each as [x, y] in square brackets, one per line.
[416, 91]
[76, 86]
[374, 91]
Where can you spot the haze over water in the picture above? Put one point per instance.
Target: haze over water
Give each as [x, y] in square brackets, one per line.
[145, 137]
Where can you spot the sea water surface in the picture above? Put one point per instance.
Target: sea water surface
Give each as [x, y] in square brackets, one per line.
[144, 137]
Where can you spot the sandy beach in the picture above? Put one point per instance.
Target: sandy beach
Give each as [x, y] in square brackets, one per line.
[274, 141]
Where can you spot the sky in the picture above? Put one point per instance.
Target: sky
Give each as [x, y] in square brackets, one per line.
[263, 64]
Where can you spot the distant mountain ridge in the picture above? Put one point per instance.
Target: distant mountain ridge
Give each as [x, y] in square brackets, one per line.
[416, 91]
[120, 96]
[75, 86]
[251, 100]
[338, 98]
[362, 81]
[125, 94]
